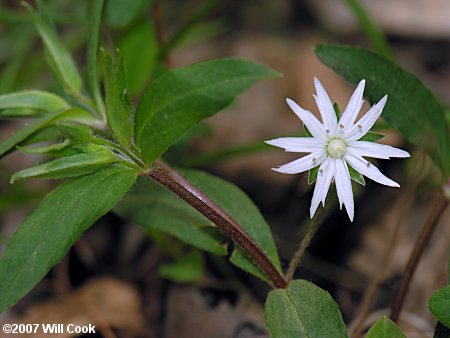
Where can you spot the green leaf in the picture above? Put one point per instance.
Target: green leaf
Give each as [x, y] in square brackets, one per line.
[371, 136]
[189, 268]
[411, 108]
[59, 58]
[303, 310]
[374, 34]
[71, 166]
[7, 145]
[180, 98]
[55, 147]
[439, 305]
[120, 13]
[385, 328]
[155, 208]
[92, 49]
[49, 231]
[118, 108]
[140, 65]
[356, 176]
[76, 132]
[33, 99]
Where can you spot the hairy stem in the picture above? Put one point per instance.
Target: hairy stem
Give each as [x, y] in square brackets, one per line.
[171, 180]
[313, 225]
[422, 240]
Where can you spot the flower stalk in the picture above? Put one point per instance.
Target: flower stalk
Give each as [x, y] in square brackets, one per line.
[313, 226]
[173, 181]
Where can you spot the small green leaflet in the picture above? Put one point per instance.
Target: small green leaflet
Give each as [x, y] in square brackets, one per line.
[70, 166]
[55, 147]
[118, 108]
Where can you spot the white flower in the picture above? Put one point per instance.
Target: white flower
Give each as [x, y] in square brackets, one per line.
[335, 145]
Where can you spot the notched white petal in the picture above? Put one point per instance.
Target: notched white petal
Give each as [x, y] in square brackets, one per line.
[298, 144]
[325, 106]
[302, 164]
[344, 187]
[322, 185]
[353, 106]
[367, 169]
[375, 150]
[366, 122]
[312, 123]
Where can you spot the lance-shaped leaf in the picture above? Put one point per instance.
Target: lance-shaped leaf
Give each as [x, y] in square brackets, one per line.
[59, 58]
[180, 98]
[303, 310]
[49, 231]
[70, 166]
[411, 108]
[118, 108]
[385, 328]
[33, 99]
[7, 145]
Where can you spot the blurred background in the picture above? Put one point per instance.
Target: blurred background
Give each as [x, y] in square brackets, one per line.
[116, 276]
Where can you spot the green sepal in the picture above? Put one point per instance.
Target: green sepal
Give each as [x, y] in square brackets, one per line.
[371, 136]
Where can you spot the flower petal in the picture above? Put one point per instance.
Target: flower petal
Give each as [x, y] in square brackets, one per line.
[298, 144]
[302, 164]
[323, 182]
[325, 107]
[312, 123]
[344, 187]
[353, 106]
[366, 122]
[376, 150]
[369, 170]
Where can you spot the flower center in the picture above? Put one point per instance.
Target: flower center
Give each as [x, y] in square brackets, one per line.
[336, 148]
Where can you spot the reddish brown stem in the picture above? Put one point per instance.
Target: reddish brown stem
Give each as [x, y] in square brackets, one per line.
[422, 240]
[170, 179]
